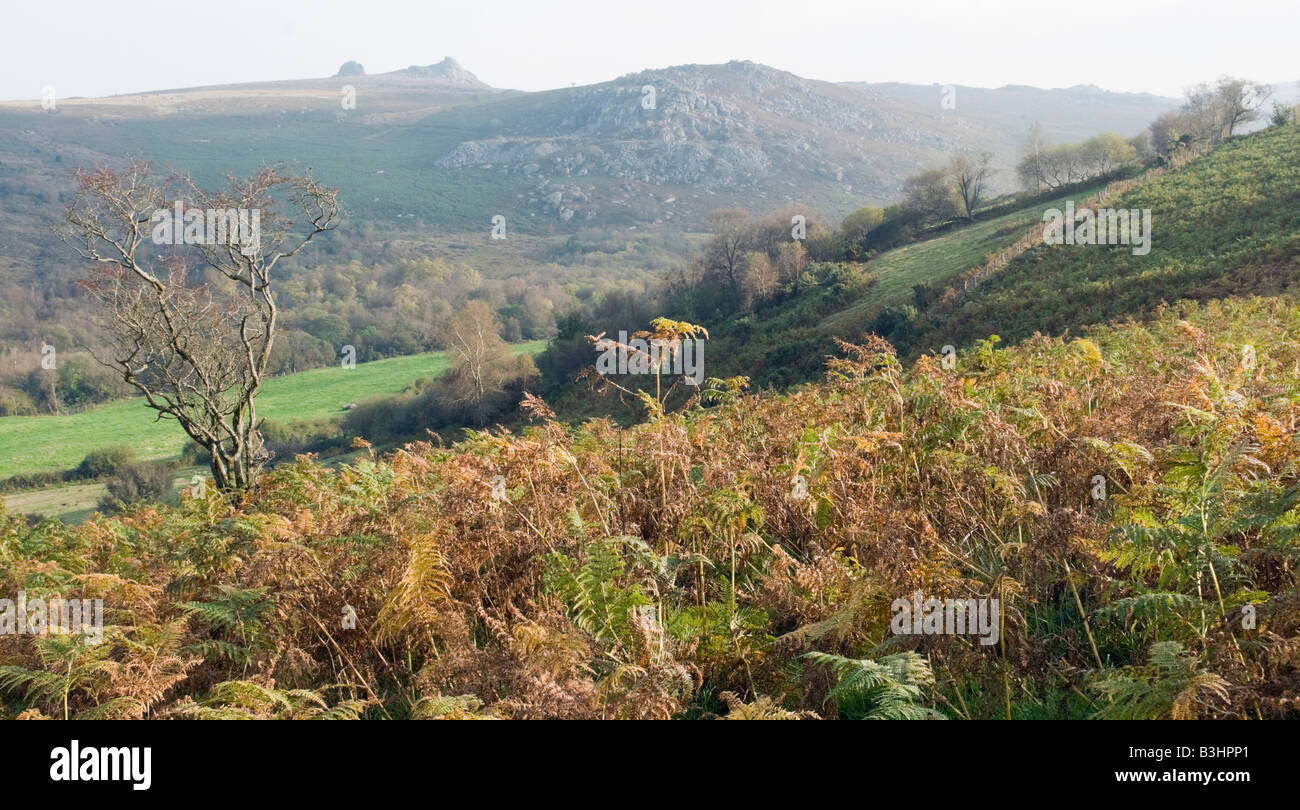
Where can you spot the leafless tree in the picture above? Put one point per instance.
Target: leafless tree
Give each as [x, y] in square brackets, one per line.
[485, 363]
[1209, 114]
[1032, 168]
[1240, 101]
[190, 322]
[969, 172]
[726, 250]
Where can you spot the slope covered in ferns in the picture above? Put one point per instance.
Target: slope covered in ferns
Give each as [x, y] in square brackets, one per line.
[740, 559]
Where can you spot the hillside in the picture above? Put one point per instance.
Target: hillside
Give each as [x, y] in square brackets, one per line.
[1226, 224]
[743, 133]
[427, 156]
[1125, 498]
[1065, 114]
[742, 560]
[788, 340]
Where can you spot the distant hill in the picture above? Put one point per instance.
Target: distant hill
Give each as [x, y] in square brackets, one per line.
[426, 156]
[660, 146]
[448, 70]
[1069, 114]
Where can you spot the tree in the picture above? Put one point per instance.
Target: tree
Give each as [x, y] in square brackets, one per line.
[1209, 114]
[1032, 169]
[1105, 153]
[1238, 101]
[932, 195]
[192, 328]
[969, 172]
[1141, 144]
[725, 250]
[1282, 114]
[1169, 134]
[485, 362]
[760, 275]
[791, 261]
[857, 226]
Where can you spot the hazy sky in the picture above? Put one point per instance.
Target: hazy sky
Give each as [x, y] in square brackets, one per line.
[103, 47]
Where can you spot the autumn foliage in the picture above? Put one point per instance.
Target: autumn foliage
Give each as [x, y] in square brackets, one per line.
[738, 557]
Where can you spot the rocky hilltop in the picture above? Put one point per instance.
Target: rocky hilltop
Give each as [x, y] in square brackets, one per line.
[735, 126]
[448, 71]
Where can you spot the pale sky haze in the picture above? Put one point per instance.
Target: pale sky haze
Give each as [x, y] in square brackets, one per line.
[104, 47]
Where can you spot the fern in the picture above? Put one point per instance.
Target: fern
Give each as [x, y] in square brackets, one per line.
[886, 689]
[245, 700]
[1171, 686]
[761, 708]
[455, 707]
[598, 604]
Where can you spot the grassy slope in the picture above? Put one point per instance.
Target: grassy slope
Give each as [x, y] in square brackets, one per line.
[1226, 224]
[936, 261]
[40, 443]
[787, 343]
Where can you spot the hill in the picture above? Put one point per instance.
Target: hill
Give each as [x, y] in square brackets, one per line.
[1222, 225]
[1225, 224]
[595, 182]
[787, 340]
[1119, 506]
[745, 560]
[615, 152]
[1065, 114]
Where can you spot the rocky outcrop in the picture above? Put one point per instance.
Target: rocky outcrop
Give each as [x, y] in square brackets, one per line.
[733, 126]
[351, 68]
[448, 71]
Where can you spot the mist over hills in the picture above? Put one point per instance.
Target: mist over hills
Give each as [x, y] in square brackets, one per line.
[1065, 114]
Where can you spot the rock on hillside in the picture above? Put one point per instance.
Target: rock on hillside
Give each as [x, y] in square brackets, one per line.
[448, 71]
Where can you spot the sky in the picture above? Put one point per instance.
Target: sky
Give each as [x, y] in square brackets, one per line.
[106, 47]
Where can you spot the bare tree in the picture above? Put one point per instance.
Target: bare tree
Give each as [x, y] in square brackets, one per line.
[969, 173]
[1209, 114]
[192, 330]
[725, 251]
[1240, 101]
[791, 261]
[1032, 169]
[486, 363]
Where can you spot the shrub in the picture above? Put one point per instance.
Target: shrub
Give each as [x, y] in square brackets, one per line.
[16, 403]
[103, 462]
[285, 440]
[193, 455]
[136, 483]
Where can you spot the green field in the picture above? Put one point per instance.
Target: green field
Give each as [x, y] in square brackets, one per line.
[31, 444]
